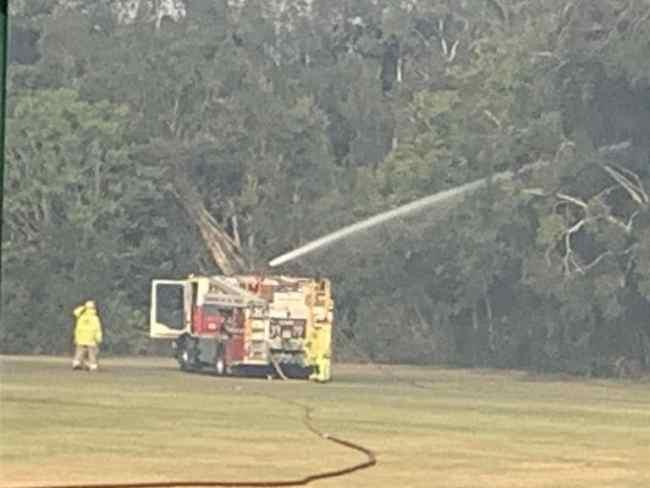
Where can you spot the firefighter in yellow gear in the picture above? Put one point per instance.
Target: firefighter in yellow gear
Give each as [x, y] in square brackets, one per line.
[319, 352]
[87, 336]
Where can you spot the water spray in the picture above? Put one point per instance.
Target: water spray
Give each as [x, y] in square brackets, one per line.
[401, 211]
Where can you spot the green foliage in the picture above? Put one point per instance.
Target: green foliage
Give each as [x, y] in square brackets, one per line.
[74, 196]
[290, 127]
[551, 228]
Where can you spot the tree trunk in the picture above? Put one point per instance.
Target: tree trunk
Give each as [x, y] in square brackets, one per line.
[399, 69]
[488, 310]
[475, 336]
[235, 231]
[223, 250]
[643, 349]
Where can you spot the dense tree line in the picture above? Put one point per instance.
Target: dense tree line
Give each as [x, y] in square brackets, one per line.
[215, 137]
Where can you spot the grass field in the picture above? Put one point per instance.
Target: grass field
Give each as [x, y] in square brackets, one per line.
[142, 420]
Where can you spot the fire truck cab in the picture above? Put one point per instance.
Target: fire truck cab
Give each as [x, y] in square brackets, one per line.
[246, 324]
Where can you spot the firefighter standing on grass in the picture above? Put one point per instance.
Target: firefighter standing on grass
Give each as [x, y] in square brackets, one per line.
[87, 336]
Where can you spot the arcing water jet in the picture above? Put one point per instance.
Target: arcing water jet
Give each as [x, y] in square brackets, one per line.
[404, 210]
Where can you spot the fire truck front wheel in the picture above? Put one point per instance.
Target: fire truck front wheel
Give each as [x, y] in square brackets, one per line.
[186, 353]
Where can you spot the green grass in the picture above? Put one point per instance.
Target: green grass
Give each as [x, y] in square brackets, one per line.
[141, 419]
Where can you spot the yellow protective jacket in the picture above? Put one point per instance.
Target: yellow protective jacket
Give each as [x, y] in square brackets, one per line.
[88, 329]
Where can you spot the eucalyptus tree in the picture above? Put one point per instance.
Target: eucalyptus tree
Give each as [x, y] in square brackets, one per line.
[72, 194]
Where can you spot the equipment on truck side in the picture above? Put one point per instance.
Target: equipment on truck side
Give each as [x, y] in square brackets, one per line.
[246, 324]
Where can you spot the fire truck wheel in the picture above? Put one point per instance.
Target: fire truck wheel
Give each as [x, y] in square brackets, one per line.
[185, 360]
[186, 353]
[221, 366]
[220, 361]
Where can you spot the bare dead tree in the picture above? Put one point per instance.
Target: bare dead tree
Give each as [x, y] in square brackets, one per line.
[596, 209]
[224, 250]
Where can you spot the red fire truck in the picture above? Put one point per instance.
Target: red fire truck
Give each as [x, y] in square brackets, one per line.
[246, 324]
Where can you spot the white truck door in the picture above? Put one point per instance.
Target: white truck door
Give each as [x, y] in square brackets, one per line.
[171, 309]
